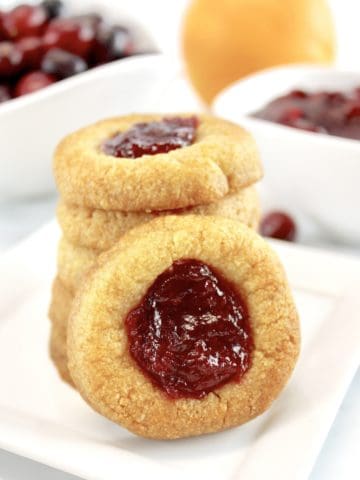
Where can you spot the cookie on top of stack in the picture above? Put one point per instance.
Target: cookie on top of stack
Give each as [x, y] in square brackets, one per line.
[123, 172]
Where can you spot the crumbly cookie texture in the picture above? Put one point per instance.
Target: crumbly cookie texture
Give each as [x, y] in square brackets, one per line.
[99, 360]
[59, 311]
[223, 159]
[100, 229]
[73, 262]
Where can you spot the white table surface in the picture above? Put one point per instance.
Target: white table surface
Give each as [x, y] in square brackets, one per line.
[339, 458]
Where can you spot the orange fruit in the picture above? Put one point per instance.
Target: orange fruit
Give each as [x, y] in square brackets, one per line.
[224, 40]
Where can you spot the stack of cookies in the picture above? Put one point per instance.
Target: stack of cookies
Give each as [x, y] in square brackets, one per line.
[123, 172]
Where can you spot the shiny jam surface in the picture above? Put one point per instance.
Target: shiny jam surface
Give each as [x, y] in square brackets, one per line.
[190, 334]
[153, 137]
[333, 113]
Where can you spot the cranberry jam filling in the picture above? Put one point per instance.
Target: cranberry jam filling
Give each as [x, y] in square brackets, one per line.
[153, 137]
[333, 113]
[190, 334]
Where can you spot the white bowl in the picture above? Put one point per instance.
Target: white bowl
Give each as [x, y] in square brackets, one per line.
[313, 174]
[31, 126]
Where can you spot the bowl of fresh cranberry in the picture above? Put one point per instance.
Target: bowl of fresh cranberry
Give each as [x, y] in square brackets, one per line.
[64, 65]
[306, 121]
[46, 42]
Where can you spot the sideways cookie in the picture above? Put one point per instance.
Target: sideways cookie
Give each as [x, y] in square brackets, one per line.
[187, 326]
[73, 262]
[100, 229]
[152, 162]
[59, 311]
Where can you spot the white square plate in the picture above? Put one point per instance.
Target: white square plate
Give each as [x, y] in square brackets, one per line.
[44, 419]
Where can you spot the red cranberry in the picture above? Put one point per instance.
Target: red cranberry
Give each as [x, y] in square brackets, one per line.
[298, 94]
[4, 93]
[11, 59]
[54, 8]
[353, 113]
[62, 64]
[112, 44]
[71, 35]
[2, 32]
[100, 51]
[31, 82]
[336, 98]
[25, 21]
[205, 340]
[120, 43]
[278, 225]
[152, 137]
[32, 49]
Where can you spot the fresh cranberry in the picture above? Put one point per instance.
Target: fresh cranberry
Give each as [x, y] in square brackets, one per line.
[353, 113]
[100, 50]
[153, 137]
[11, 59]
[5, 94]
[120, 43]
[31, 82]
[32, 49]
[25, 21]
[62, 64]
[112, 44]
[336, 98]
[298, 94]
[54, 8]
[2, 31]
[70, 34]
[191, 333]
[278, 225]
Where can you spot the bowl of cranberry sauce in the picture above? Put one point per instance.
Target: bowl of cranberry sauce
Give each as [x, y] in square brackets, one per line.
[306, 121]
[331, 112]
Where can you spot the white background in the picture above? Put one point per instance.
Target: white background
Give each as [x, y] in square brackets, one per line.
[339, 458]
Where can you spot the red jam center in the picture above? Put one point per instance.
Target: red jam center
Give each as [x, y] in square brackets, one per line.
[334, 113]
[190, 334]
[153, 137]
